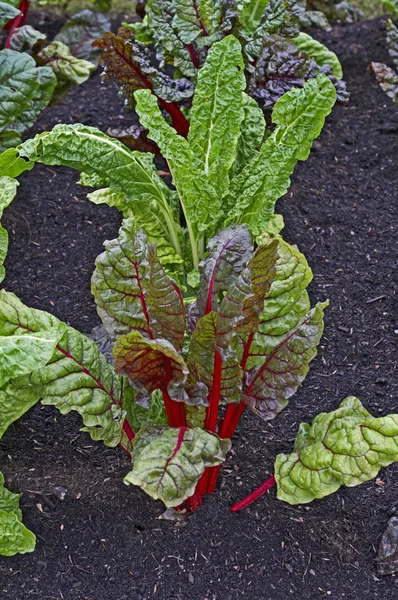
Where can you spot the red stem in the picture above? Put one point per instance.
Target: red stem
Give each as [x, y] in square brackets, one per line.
[254, 495]
[128, 430]
[194, 501]
[180, 124]
[17, 22]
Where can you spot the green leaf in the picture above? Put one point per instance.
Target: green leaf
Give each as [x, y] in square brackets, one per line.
[217, 114]
[319, 52]
[8, 190]
[133, 292]
[252, 130]
[391, 6]
[15, 538]
[67, 68]
[24, 89]
[80, 31]
[15, 401]
[299, 116]
[21, 354]
[160, 16]
[151, 364]
[208, 367]
[7, 12]
[199, 201]
[345, 447]
[168, 462]
[142, 416]
[26, 38]
[251, 12]
[77, 377]
[270, 385]
[392, 40]
[11, 164]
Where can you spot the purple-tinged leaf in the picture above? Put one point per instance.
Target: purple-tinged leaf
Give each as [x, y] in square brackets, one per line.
[133, 292]
[269, 386]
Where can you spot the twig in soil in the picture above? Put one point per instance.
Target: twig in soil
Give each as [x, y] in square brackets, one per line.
[375, 299]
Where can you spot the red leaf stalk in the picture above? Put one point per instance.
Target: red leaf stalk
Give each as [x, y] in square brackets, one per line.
[17, 22]
[254, 495]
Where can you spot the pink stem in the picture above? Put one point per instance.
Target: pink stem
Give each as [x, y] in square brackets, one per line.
[254, 495]
[17, 22]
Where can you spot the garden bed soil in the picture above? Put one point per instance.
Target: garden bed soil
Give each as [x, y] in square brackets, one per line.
[105, 541]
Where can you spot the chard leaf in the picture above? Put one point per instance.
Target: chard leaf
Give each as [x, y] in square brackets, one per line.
[105, 160]
[144, 416]
[15, 401]
[186, 21]
[67, 68]
[221, 374]
[8, 190]
[161, 15]
[200, 202]
[129, 64]
[392, 39]
[269, 386]
[133, 292]
[227, 254]
[319, 52]
[7, 12]
[344, 447]
[151, 364]
[168, 462]
[392, 6]
[251, 12]
[252, 130]
[217, 113]
[387, 79]
[299, 116]
[77, 377]
[26, 38]
[80, 31]
[15, 538]
[24, 90]
[243, 303]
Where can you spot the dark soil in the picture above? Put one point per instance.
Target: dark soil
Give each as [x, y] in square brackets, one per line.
[104, 541]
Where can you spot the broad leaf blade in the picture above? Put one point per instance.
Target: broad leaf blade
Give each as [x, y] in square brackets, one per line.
[80, 31]
[387, 79]
[24, 89]
[217, 113]
[271, 385]
[345, 447]
[15, 538]
[168, 462]
[150, 364]
[77, 377]
[133, 292]
[26, 38]
[299, 116]
[68, 68]
[319, 52]
[8, 190]
[251, 137]
[223, 375]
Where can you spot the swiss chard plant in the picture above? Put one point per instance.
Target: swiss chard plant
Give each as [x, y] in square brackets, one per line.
[385, 75]
[33, 73]
[320, 13]
[205, 304]
[165, 52]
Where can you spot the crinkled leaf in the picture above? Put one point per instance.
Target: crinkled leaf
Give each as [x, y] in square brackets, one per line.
[200, 202]
[7, 12]
[129, 64]
[9, 139]
[80, 31]
[223, 376]
[24, 90]
[15, 401]
[251, 12]
[141, 416]
[104, 160]
[134, 137]
[227, 255]
[133, 292]
[269, 386]
[392, 39]
[168, 462]
[319, 52]
[217, 113]
[26, 38]
[251, 136]
[299, 116]
[315, 18]
[15, 538]
[161, 15]
[150, 364]
[344, 447]
[77, 377]
[67, 68]
[388, 80]
[8, 190]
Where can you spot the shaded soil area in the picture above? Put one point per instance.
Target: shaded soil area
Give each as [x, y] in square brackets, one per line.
[104, 541]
